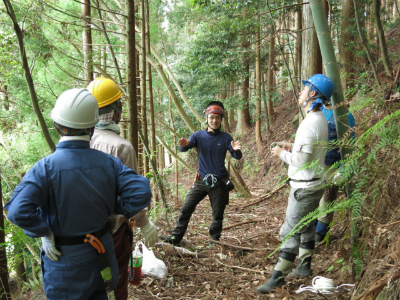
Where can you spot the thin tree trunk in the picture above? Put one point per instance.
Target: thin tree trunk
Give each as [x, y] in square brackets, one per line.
[28, 76]
[267, 124]
[345, 50]
[258, 89]
[298, 47]
[271, 66]
[364, 42]
[5, 101]
[151, 104]
[87, 42]
[131, 76]
[114, 58]
[20, 266]
[143, 87]
[381, 37]
[223, 96]
[244, 120]
[176, 196]
[4, 274]
[231, 111]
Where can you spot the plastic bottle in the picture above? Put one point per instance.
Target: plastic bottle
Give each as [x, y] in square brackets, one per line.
[137, 259]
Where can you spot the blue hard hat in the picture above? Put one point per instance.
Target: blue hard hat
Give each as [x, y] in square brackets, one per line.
[323, 83]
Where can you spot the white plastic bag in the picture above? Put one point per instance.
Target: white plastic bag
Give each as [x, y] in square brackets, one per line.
[151, 265]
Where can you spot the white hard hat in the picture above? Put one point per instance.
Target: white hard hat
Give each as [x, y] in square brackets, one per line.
[76, 108]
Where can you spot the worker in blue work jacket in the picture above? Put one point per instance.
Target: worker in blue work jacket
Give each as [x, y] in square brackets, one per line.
[332, 157]
[66, 199]
[212, 177]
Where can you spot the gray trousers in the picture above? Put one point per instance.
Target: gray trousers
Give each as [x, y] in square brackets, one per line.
[301, 202]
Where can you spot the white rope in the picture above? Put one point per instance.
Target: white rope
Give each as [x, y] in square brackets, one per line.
[323, 285]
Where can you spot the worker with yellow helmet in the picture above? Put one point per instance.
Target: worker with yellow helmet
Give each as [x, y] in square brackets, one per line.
[107, 138]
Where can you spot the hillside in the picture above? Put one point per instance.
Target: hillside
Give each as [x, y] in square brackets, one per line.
[237, 266]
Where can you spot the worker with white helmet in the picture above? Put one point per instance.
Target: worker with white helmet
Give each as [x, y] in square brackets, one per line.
[67, 198]
[107, 138]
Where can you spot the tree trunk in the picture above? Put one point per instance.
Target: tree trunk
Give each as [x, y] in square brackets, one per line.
[298, 47]
[231, 111]
[244, 120]
[131, 75]
[5, 101]
[345, 49]
[364, 42]
[87, 42]
[143, 87]
[332, 71]
[271, 66]
[381, 37]
[226, 114]
[4, 274]
[20, 266]
[176, 178]
[258, 89]
[153, 148]
[267, 124]
[28, 76]
[311, 58]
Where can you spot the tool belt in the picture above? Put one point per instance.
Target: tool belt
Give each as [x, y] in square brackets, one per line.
[76, 240]
[296, 180]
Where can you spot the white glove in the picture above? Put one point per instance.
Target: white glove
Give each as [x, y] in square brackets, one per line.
[49, 247]
[150, 234]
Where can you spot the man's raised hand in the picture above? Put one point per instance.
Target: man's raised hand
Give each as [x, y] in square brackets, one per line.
[183, 142]
[236, 145]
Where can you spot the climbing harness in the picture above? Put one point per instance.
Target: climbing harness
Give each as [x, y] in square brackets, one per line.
[324, 286]
[213, 179]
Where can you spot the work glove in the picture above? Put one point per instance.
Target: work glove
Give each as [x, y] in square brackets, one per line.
[49, 247]
[150, 234]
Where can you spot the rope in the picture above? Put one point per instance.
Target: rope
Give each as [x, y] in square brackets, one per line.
[323, 285]
[213, 179]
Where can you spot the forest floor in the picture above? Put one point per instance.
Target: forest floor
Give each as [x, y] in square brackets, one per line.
[244, 260]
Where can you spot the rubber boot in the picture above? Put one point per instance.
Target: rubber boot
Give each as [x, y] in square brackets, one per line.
[304, 262]
[281, 269]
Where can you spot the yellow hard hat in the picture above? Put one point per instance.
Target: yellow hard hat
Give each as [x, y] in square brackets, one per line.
[105, 91]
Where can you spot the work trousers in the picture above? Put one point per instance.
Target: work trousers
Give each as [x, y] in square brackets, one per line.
[301, 202]
[76, 275]
[219, 199]
[122, 248]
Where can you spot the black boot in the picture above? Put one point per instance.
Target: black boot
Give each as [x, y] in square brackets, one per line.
[281, 269]
[304, 262]
[173, 239]
[319, 238]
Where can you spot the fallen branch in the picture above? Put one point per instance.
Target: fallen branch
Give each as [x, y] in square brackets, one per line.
[390, 224]
[240, 247]
[265, 197]
[182, 251]
[244, 222]
[240, 268]
[374, 290]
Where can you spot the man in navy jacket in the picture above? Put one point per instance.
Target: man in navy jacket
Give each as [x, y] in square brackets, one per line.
[212, 177]
[70, 194]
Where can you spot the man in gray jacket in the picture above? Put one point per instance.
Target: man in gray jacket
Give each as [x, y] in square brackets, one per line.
[106, 138]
